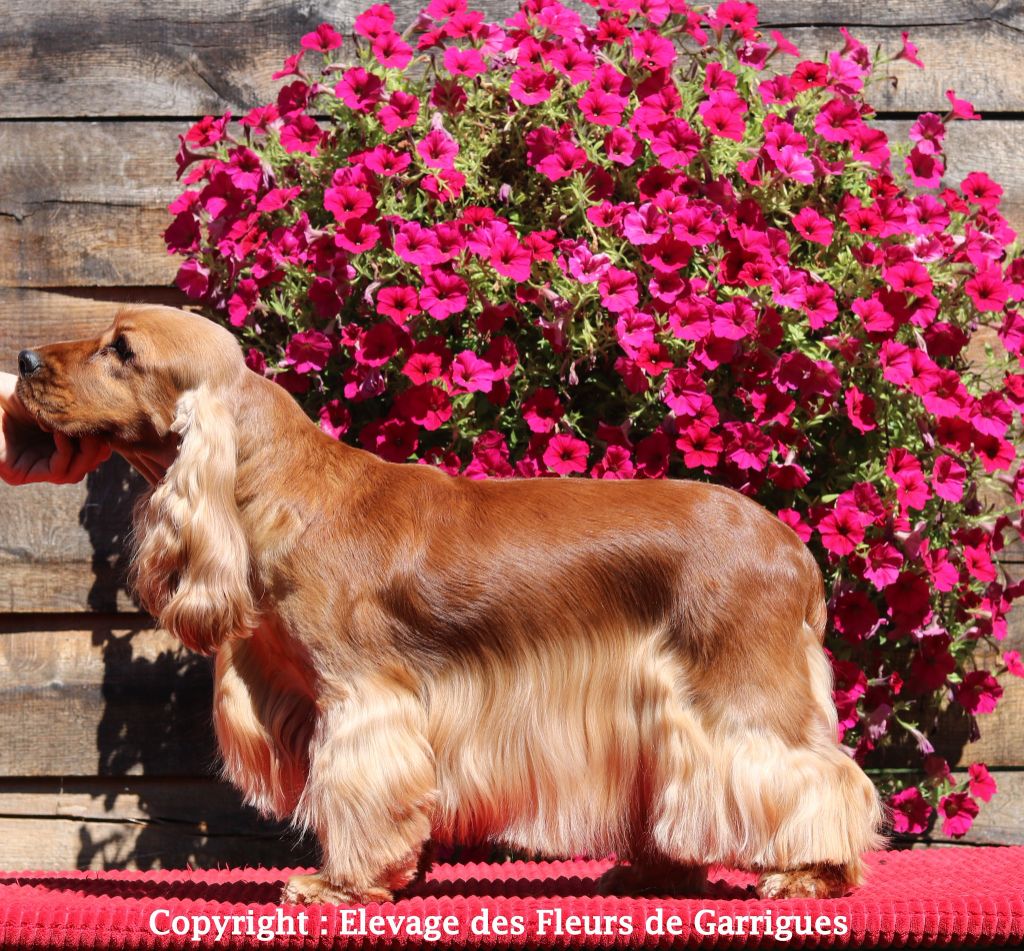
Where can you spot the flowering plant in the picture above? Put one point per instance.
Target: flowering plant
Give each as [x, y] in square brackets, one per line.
[639, 246]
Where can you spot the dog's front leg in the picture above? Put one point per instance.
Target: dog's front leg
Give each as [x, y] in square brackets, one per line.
[370, 794]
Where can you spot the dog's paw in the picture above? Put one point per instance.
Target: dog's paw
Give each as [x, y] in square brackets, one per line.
[815, 882]
[317, 890]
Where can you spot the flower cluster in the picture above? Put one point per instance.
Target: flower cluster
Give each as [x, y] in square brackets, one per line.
[653, 242]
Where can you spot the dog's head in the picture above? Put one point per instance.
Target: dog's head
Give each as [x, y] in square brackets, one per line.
[161, 386]
[126, 384]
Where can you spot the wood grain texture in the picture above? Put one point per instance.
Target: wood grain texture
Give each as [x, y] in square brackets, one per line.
[79, 225]
[122, 58]
[98, 823]
[107, 697]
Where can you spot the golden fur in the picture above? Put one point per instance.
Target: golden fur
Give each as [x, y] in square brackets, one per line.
[564, 666]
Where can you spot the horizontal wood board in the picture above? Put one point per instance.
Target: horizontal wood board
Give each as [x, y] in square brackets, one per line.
[123, 58]
[69, 221]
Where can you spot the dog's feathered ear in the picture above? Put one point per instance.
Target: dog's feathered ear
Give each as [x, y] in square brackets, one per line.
[191, 565]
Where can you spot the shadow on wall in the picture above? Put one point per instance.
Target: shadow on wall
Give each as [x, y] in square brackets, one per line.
[155, 729]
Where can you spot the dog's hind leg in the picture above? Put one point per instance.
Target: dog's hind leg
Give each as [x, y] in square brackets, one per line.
[369, 797]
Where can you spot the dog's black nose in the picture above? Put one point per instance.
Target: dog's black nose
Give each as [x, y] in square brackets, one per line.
[28, 362]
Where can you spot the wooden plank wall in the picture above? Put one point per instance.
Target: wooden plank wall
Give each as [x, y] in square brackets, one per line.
[106, 756]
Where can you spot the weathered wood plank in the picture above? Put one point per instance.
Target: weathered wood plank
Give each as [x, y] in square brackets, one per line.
[81, 225]
[187, 58]
[29, 317]
[97, 823]
[115, 699]
[977, 60]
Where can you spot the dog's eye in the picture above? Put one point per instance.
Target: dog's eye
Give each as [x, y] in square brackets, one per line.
[121, 348]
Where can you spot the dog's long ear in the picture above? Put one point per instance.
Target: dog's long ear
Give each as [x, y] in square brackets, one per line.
[191, 565]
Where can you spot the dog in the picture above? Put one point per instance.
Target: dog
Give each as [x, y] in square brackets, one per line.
[563, 666]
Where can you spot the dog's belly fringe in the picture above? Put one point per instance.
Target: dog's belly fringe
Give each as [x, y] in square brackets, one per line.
[602, 750]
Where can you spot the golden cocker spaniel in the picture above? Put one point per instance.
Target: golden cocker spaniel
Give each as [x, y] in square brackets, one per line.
[565, 666]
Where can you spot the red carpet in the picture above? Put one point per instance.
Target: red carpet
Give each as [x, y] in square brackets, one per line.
[955, 897]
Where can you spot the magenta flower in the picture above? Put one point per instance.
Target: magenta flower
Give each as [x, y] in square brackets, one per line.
[438, 149]
[531, 85]
[399, 302]
[602, 108]
[401, 112]
[193, 278]
[335, 418]
[565, 454]
[910, 812]
[471, 373]
[924, 168]
[675, 143]
[391, 51]
[748, 446]
[542, 410]
[860, 410]
[948, 478]
[322, 40]
[700, 445]
[842, 529]
[723, 121]
[417, 245]
[509, 258]
[618, 290]
[464, 62]
[377, 345]
[958, 811]
[359, 90]
[565, 159]
[347, 201]
[644, 225]
[301, 134]
[375, 21]
[979, 692]
[426, 405]
[308, 351]
[1014, 663]
[987, 289]
[961, 108]
[443, 294]
[616, 464]
[883, 564]
[982, 785]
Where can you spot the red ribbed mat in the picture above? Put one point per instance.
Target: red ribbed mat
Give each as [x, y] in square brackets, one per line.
[957, 897]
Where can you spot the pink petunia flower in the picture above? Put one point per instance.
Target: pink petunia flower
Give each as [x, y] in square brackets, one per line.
[978, 692]
[616, 464]
[359, 90]
[401, 112]
[323, 39]
[948, 478]
[471, 373]
[509, 258]
[443, 294]
[958, 811]
[301, 134]
[438, 149]
[981, 784]
[464, 62]
[391, 51]
[910, 812]
[542, 410]
[308, 351]
[565, 454]
[399, 302]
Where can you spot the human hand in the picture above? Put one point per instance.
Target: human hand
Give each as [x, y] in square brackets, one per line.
[30, 454]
